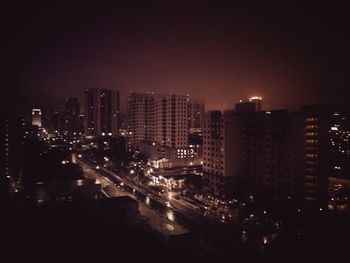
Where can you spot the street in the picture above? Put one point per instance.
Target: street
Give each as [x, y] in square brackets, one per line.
[168, 216]
[160, 220]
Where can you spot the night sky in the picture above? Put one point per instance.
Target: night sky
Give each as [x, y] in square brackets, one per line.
[288, 53]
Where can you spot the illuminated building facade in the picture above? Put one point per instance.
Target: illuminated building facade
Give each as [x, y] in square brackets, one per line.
[36, 117]
[340, 144]
[157, 118]
[339, 180]
[316, 124]
[257, 101]
[252, 105]
[171, 121]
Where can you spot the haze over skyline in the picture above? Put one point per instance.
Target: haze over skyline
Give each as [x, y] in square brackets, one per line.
[290, 55]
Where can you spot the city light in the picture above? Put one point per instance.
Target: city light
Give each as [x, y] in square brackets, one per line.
[169, 175]
[255, 98]
[147, 200]
[79, 182]
[170, 215]
[265, 241]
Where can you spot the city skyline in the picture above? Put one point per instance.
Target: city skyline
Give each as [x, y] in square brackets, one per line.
[175, 131]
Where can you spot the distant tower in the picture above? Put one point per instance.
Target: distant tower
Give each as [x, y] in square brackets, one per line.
[11, 151]
[57, 121]
[158, 118]
[195, 114]
[140, 117]
[101, 111]
[317, 161]
[36, 117]
[171, 120]
[72, 112]
[252, 105]
[257, 101]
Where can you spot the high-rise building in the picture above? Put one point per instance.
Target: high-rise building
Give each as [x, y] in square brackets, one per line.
[339, 178]
[117, 112]
[219, 152]
[340, 145]
[252, 105]
[11, 150]
[316, 124]
[57, 121]
[157, 118]
[257, 101]
[171, 120]
[82, 123]
[195, 114]
[270, 151]
[101, 111]
[92, 111]
[36, 117]
[72, 112]
[140, 117]
[284, 153]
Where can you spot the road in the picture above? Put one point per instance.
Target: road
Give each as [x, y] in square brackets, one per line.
[177, 213]
[159, 220]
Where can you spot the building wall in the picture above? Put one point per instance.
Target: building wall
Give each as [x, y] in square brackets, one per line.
[100, 111]
[11, 150]
[91, 111]
[283, 158]
[195, 114]
[259, 150]
[340, 145]
[158, 118]
[37, 117]
[171, 120]
[213, 158]
[71, 117]
[140, 117]
[316, 124]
